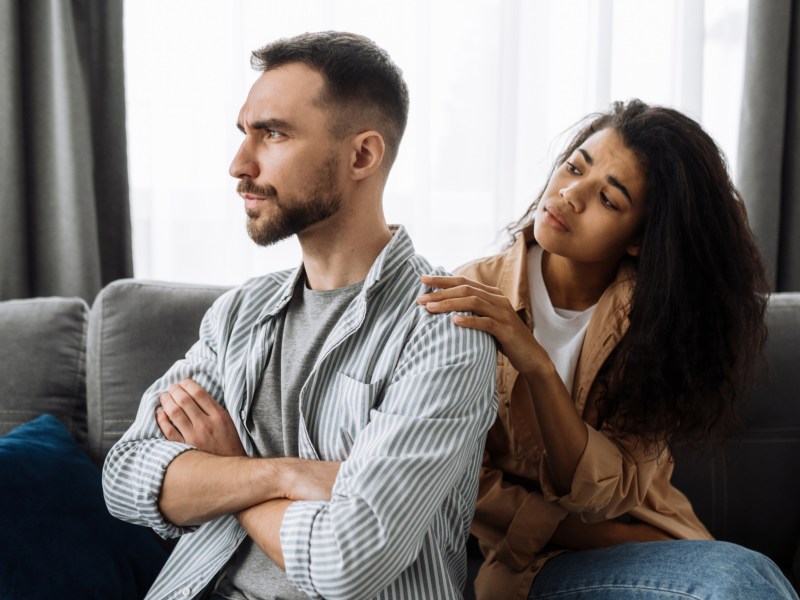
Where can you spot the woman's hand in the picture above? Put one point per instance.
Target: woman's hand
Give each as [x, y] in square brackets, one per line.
[493, 314]
[562, 429]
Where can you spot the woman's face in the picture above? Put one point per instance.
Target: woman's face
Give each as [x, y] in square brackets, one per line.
[593, 207]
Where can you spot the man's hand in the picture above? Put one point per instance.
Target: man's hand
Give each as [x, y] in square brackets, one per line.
[188, 414]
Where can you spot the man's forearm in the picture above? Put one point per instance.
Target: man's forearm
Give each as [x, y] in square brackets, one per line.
[263, 524]
[198, 487]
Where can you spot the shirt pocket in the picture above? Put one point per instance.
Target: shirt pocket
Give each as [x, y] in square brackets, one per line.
[354, 401]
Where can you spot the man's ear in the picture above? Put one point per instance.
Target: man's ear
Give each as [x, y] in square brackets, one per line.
[367, 154]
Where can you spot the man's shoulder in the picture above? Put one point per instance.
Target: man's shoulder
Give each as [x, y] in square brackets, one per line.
[256, 292]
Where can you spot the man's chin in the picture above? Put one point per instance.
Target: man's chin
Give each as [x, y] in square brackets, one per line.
[266, 235]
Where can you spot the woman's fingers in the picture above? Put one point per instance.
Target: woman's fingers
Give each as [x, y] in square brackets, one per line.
[476, 304]
[454, 281]
[491, 295]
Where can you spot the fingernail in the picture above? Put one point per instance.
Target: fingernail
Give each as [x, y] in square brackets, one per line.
[424, 298]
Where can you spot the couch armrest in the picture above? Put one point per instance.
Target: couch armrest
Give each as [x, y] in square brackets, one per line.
[43, 362]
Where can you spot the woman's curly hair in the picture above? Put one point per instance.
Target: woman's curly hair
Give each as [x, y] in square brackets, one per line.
[697, 315]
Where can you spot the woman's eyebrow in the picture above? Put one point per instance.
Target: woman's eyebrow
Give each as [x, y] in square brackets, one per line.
[611, 179]
[617, 184]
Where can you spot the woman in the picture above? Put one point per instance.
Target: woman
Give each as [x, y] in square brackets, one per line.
[629, 310]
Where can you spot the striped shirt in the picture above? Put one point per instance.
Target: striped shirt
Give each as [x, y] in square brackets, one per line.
[402, 396]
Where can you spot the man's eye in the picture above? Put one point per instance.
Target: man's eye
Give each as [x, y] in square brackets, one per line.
[572, 168]
[272, 134]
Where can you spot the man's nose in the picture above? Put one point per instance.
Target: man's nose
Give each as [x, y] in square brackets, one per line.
[243, 164]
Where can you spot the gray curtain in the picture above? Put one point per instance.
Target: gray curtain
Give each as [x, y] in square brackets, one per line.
[769, 145]
[64, 213]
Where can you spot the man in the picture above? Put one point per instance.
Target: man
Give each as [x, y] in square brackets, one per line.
[323, 436]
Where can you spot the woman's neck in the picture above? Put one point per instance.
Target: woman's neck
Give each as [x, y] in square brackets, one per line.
[572, 285]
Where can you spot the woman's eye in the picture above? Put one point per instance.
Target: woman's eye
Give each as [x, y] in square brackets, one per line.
[605, 200]
[572, 168]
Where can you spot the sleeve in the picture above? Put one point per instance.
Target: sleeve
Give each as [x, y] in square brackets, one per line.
[515, 522]
[612, 477]
[426, 436]
[135, 466]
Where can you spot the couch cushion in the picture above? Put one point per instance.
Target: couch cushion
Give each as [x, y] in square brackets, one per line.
[747, 492]
[137, 329]
[58, 539]
[43, 362]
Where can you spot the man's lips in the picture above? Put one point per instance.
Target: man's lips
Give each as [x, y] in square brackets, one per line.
[553, 218]
[251, 201]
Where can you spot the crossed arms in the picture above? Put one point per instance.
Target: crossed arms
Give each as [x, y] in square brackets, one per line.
[219, 479]
[404, 494]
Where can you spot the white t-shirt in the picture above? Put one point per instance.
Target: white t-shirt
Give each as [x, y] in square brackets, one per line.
[559, 331]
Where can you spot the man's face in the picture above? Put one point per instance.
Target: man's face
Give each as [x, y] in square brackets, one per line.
[288, 164]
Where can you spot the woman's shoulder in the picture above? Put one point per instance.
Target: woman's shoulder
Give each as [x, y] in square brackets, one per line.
[483, 268]
[490, 268]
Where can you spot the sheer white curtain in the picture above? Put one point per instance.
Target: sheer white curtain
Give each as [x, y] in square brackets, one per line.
[494, 84]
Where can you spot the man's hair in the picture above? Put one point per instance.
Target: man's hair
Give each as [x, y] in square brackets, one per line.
[363, 88]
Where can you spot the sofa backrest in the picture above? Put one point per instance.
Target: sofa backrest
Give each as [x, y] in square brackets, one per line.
[749, 491]
[137, 329]
[43, 362]
[746, 493]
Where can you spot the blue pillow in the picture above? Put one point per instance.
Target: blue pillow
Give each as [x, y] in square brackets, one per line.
[57, 539]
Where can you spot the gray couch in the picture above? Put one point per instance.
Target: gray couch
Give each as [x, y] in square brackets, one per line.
[89, 367]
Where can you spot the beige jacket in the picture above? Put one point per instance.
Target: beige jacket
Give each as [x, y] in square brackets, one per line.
[518, 509]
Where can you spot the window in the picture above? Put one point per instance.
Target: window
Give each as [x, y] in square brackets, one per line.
[493, 85]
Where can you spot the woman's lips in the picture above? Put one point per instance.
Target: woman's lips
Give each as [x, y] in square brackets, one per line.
[555, 220]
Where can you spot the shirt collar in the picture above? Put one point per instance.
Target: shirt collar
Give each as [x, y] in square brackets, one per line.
[513, 279]
[394, 254]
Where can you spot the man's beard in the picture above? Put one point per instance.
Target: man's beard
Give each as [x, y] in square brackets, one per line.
[295, 212]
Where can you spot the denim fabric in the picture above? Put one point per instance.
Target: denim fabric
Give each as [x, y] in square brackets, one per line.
[687, 569]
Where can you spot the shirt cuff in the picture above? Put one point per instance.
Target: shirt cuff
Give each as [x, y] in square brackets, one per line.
[295, 535]
[597, 464]
[157, 457]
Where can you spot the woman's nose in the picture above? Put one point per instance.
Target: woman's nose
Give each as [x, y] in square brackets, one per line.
[571, 194]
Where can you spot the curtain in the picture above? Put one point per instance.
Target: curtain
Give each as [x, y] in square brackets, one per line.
[769, 143]
[493, 84]
[64, 213]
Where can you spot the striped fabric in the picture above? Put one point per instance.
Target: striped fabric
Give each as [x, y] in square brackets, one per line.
[403, 397]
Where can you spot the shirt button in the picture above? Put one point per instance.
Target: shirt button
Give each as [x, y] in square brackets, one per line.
[243, 415]
[186, 592]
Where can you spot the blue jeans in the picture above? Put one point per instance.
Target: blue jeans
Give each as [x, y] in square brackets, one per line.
[683, 569]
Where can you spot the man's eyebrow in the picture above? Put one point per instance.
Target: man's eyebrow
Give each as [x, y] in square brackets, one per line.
[265, 124]
[617, 184]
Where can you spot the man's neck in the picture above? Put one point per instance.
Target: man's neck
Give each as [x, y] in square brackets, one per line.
[335, 256]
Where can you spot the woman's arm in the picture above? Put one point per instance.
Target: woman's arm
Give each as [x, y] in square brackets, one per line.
[562, 429]
[574, 534]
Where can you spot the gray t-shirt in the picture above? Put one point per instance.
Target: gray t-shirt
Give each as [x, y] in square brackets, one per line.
[273, 423]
